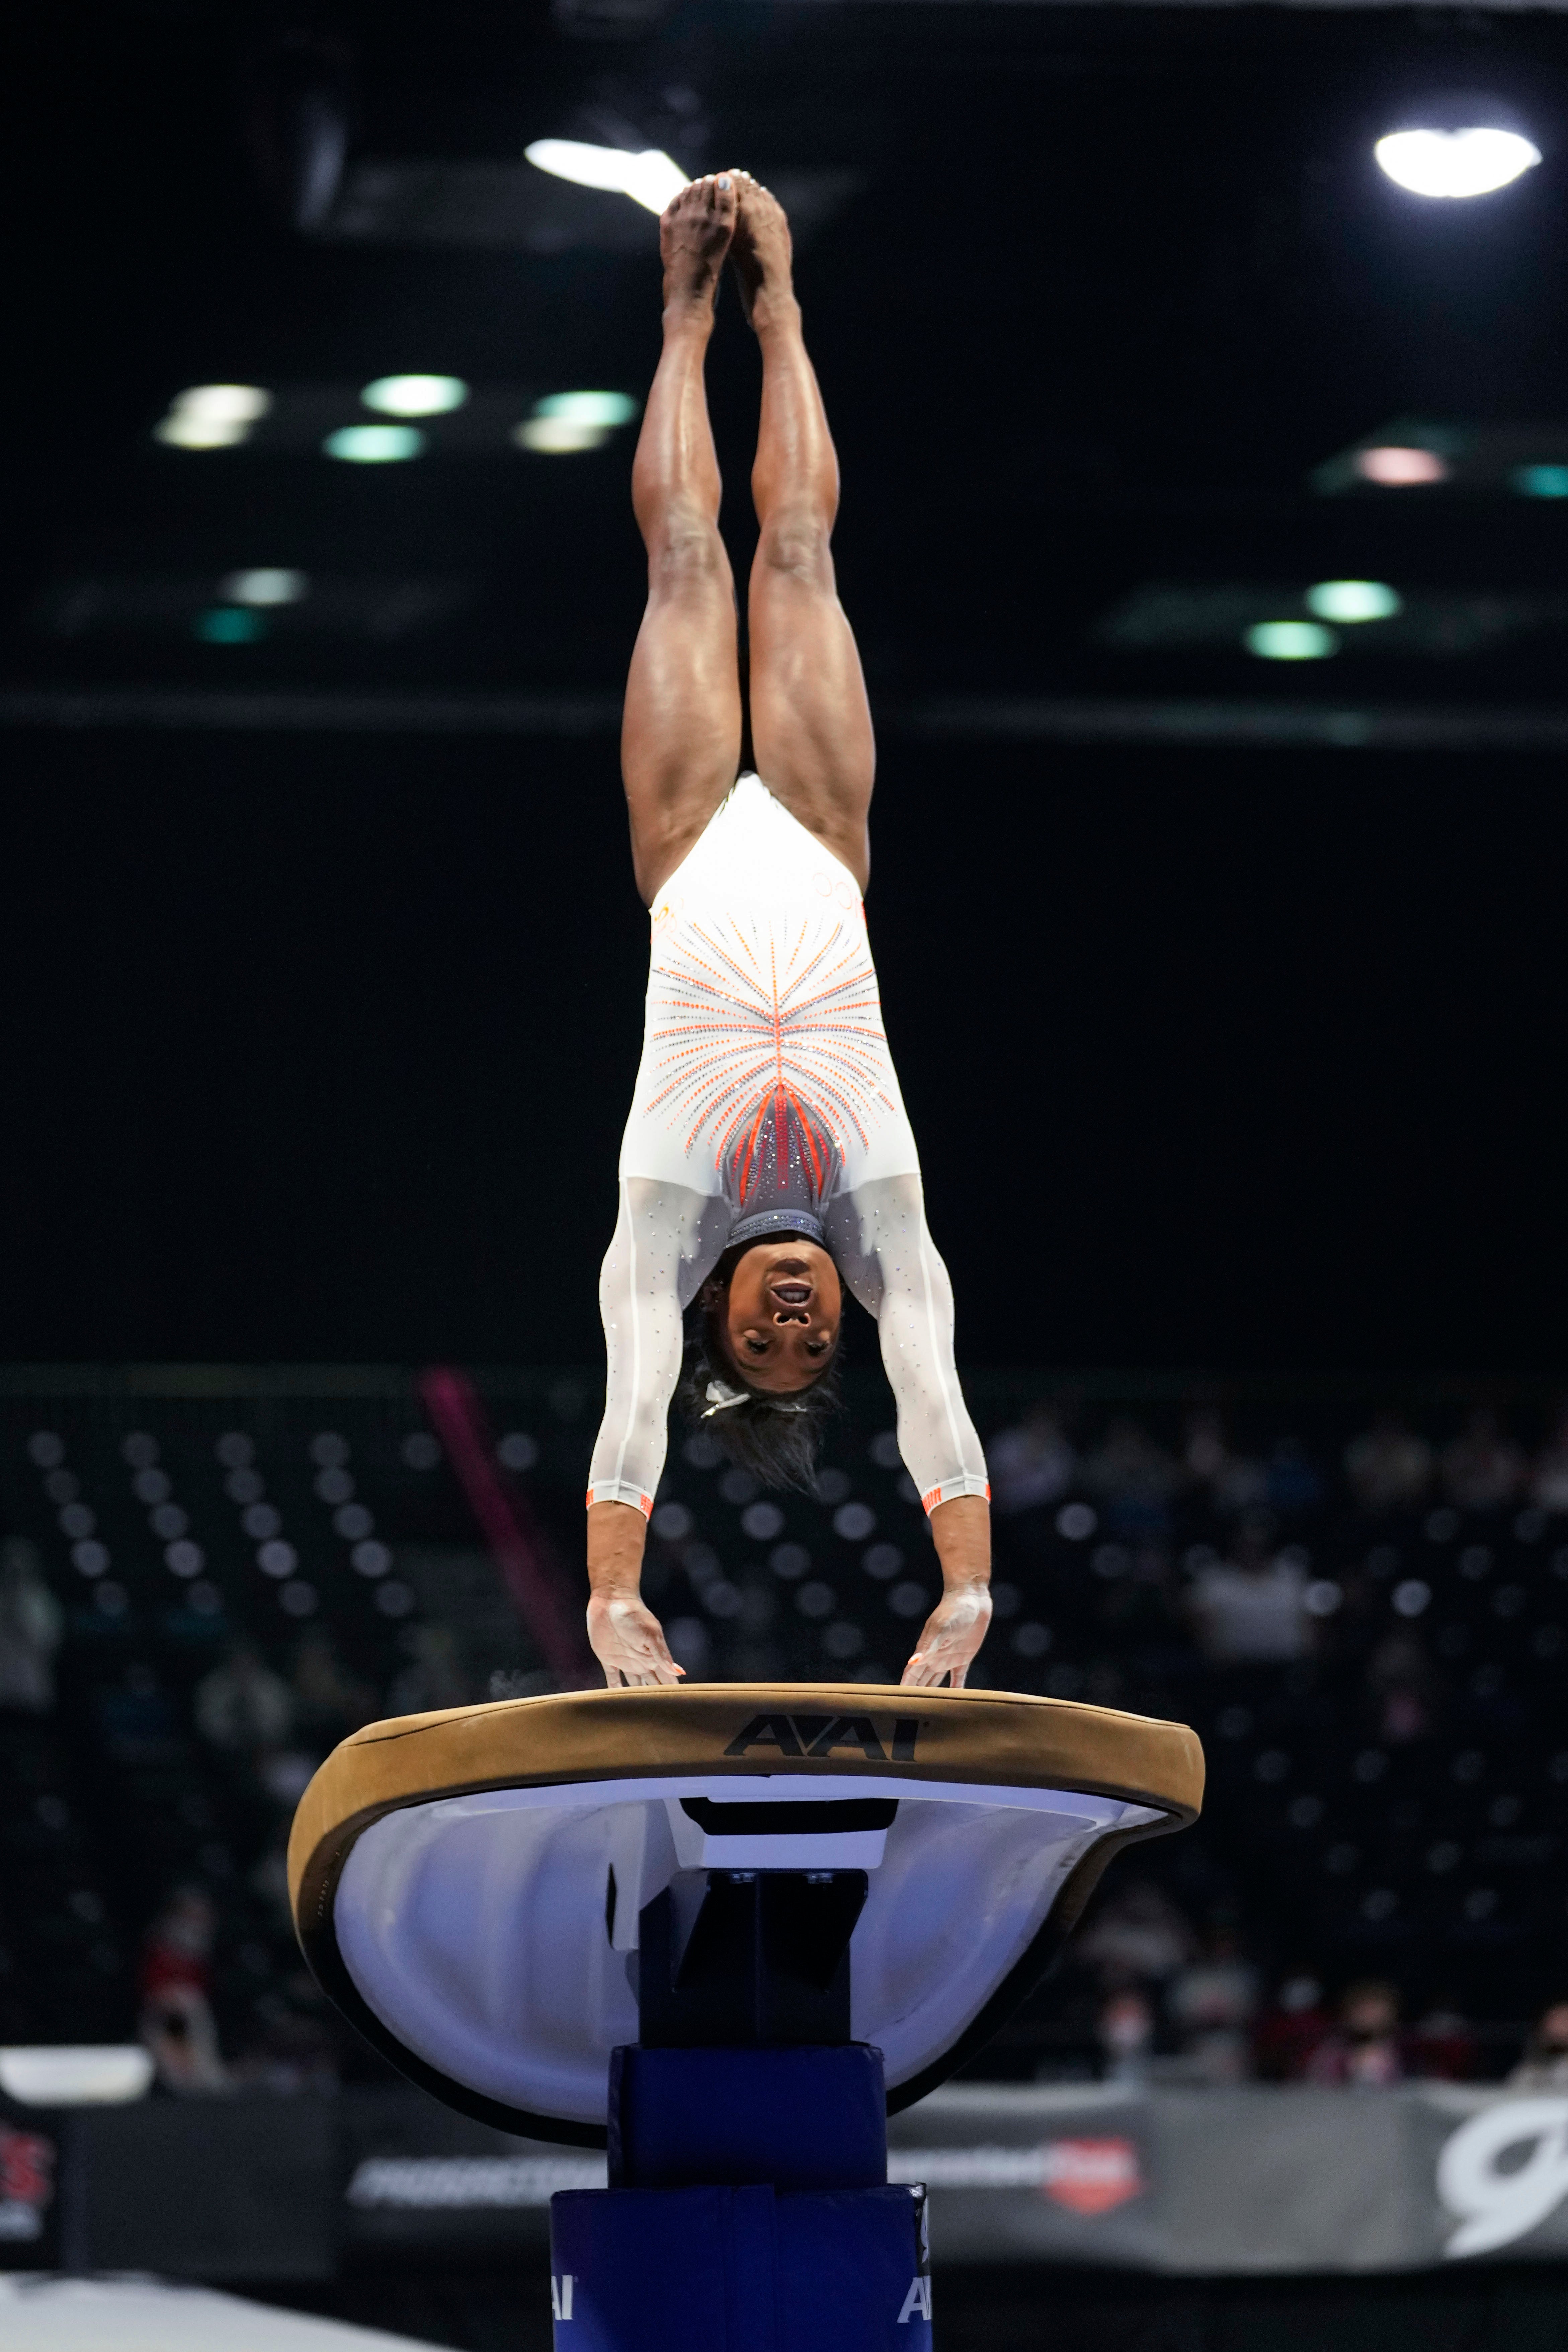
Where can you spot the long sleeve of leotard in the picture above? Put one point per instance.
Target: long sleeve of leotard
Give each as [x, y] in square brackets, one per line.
[666, 1241]
[882, 1247]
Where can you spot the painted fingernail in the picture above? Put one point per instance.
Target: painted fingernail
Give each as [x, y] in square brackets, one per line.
[724, 180]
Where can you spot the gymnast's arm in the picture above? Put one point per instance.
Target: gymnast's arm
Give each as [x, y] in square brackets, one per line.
[665, 1244]
[884, 1250]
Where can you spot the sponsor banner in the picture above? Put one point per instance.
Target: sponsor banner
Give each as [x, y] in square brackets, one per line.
[1219, 2183]
[1245, 2181]
[1211, 2182]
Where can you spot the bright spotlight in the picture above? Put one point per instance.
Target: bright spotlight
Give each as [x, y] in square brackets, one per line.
[374, 445]
[558, 436]
[416, 396]
[1401, 469]
[1354, 600]
[607, 408]
[651, 178]
[212, 415]
[564, 422]
[267, 585]
[1471, 162]
[1290, 640]
[1540, 481]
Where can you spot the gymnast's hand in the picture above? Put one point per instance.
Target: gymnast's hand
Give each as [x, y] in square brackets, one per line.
[950, 1638]
[627, 1638]
[628, 1641]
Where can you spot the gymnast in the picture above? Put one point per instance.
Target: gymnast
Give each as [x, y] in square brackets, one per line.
[768, 1157]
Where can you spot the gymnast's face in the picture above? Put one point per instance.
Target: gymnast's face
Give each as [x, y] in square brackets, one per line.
[785, 1308]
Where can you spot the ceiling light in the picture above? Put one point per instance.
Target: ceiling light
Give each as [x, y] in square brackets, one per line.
[416, 396]
[224, 403]
[558, 436]
[1290, 640]
[1540, 481]
[608, 408]
[267, 585]
[566, 421]
[374, 445]
[1394, 469]
[1466, 163]
[1354, 600]
[212, 415]
[180, 432]
[651, 178]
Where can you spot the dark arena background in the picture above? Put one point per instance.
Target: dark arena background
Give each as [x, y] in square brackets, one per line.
[1205, 508]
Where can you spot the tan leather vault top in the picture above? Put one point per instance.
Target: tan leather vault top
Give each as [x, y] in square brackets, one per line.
[1000, 1739]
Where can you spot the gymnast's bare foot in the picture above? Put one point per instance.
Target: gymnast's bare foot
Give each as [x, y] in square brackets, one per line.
[761, 254]
[694, 233]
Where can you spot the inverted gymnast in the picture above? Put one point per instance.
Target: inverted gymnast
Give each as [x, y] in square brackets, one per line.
[768, 1154]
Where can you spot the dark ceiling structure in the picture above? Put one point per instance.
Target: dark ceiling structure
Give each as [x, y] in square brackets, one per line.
[1115, 314]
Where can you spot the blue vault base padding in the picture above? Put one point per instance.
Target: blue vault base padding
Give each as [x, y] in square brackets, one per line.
[750, 2211]
[740, 2270]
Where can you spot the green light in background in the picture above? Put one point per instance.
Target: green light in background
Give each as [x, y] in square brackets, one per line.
[1290, 640]
[374, 445]
[1541, 481]
[1354, 600]
[229, 625]
[416, 396]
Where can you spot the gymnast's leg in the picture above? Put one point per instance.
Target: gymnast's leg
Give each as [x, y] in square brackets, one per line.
[680, 735]
[811, 725]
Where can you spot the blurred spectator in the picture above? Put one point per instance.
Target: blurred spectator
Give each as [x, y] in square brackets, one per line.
[177, 2021]
[31, 1625]
[1362, 2051]
[285, 1773]
[1293, 2028]
[1032, 1463]
[1389, 1467]
[242, 1705]
[269, 1880]
[288, 2052]
[434, 1676]
[1133, 1479]
[1127, 2037]
[1251, 1609]
[1136, 1603]
[1549, 1478]
[1404, 1686]
[1294, 1482]
[1482, 1469]
[1545, 2066]
[1139, 1938]
[1234, 1482]
[1441, 2046]
[1212, 2002]
[327, 1702]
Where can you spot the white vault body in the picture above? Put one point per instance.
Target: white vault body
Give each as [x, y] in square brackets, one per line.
[469, 1886]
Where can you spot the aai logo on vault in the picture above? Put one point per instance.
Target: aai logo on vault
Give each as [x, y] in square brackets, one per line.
[829, 1734]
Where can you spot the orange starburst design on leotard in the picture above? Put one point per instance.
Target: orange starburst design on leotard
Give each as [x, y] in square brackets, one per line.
[771, 1041]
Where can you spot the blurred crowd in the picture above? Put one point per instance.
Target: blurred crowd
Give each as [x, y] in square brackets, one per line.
[1174, 2006]
[1386, 1468]
[1245, 1557]
[1196, 1563]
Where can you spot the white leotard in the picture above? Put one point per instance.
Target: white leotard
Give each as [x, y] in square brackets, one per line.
[767, 1099]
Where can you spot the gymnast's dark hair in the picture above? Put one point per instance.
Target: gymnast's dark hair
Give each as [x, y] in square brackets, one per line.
[777, 1439]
